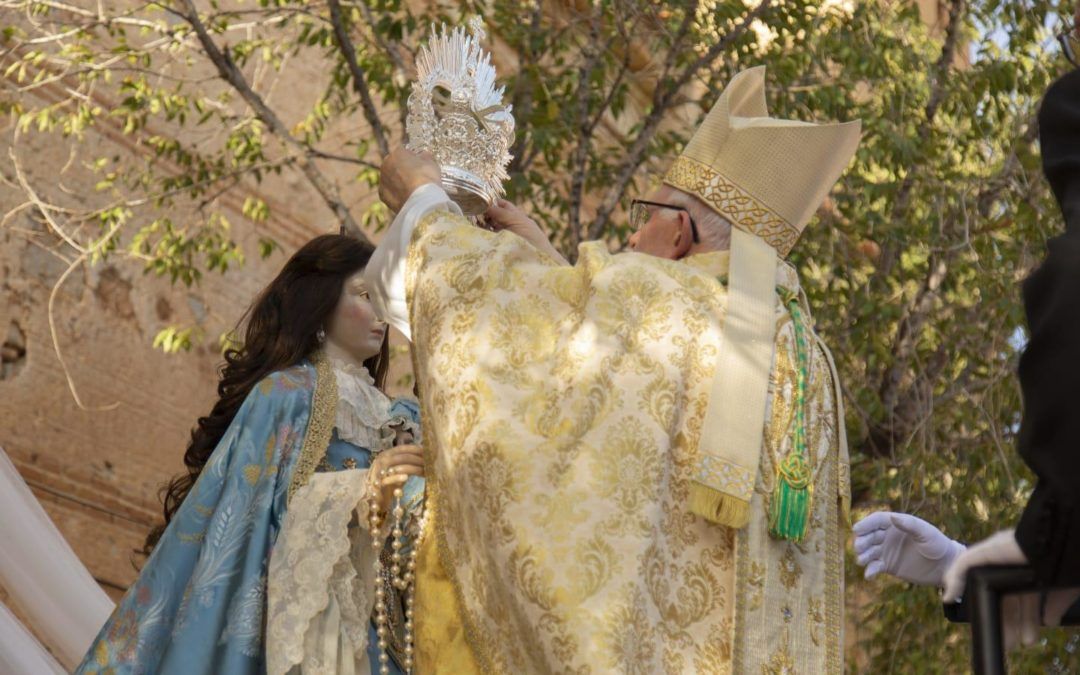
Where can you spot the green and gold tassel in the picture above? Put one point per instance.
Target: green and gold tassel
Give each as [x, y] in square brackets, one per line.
[789, 511]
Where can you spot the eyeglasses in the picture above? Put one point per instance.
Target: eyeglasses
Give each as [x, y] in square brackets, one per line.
[640, 212]
[1070, 45]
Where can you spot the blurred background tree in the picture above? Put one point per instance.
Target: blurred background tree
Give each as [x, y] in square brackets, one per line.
[912, 266]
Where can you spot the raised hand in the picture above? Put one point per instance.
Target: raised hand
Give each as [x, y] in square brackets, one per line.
[401, 172]
[905, 547]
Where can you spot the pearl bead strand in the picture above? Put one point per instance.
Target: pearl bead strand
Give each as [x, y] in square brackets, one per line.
[401, 578]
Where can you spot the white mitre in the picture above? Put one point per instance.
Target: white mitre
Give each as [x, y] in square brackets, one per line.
[767, 177]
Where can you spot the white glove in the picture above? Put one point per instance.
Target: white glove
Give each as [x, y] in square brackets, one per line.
[904, 546]
[999, 549]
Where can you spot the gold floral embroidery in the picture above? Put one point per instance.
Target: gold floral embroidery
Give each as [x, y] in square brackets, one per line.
[684, 594]
[790, 571]
[629, 640]
[781, 663]
[816, 617]
[594, 565]
[715, 654]
[756, 581]
[254, 472]
[320, 423]
[623, 472]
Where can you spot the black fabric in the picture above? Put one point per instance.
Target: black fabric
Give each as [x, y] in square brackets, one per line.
[1049, 530]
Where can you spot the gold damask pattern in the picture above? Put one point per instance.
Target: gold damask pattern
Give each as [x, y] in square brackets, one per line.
[563, 408]
[737, 205]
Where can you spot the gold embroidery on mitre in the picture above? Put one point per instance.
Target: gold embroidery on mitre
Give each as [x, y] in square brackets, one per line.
[737, 205]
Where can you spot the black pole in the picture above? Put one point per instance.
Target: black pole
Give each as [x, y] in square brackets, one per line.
[981, 606]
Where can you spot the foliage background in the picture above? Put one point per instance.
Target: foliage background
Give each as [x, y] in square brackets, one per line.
[912, 266]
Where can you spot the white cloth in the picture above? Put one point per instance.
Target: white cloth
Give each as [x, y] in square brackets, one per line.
[20, 652]
[321, 580]
[904, 546]
[47, 581]
[384, 274]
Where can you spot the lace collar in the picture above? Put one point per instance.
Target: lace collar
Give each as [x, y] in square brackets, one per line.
[362, 410]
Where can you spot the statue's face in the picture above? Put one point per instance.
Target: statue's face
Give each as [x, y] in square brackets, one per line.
[353, 327]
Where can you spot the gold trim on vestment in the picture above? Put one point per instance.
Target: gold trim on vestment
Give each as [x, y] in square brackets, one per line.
[320, 423]
[834, 578]
[732, 202]
[742, 590]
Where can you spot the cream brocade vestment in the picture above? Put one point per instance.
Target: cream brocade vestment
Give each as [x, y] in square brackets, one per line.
[562, 408]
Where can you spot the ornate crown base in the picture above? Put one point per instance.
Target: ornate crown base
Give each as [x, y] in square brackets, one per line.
[469, 191]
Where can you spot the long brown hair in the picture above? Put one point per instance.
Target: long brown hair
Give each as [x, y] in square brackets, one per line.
[282, 329]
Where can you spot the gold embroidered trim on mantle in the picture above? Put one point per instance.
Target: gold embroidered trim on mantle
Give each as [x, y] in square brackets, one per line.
[737, 205]
[320, 423]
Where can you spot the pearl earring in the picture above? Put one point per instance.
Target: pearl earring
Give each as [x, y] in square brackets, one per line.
[321, 335]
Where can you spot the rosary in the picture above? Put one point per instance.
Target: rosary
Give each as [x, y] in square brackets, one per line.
[402, 577]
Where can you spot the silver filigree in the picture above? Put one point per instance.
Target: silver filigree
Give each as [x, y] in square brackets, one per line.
[456, 112]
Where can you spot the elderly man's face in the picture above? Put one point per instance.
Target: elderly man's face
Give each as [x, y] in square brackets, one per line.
[667, 232]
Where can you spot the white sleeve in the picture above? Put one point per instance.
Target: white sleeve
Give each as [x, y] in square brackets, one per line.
[385, 272]
[41, 573]
[20, 652]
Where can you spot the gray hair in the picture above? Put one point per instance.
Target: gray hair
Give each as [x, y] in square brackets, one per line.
[713, 229]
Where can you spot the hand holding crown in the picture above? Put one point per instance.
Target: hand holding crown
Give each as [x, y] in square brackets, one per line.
[403, 171]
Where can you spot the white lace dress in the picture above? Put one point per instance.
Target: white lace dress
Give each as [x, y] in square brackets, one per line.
[321, 574]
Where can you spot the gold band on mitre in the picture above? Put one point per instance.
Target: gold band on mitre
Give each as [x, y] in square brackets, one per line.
[767, 177]
[729, 200]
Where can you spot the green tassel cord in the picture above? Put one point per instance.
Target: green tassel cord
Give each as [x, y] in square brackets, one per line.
[789, 510]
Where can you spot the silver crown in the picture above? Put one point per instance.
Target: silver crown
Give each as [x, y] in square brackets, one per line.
[456, 113]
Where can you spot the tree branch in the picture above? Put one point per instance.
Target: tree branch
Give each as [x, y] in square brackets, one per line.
[371, 113]
[391, 50]
[232, 75]
[882, 435]
[957, 10]
[523, 98]
[663, 96]
[579, 162]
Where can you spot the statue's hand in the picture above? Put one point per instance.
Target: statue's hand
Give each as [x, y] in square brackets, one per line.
[391, 469]
[403, 171]
[904, 546]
